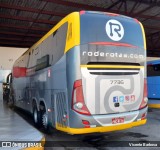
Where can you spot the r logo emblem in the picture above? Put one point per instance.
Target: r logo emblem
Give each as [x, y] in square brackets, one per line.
[114, 30]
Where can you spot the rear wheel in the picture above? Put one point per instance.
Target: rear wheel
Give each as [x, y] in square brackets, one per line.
[36, 116]
[44, 120]
[11, 101]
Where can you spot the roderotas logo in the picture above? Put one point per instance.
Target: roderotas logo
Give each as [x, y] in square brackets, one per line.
[114, 30]
[112, 55]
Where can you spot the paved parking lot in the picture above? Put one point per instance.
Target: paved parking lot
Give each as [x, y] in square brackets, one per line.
[144, 134]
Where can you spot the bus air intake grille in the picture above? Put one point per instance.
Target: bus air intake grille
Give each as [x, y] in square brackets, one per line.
[61, 109]
[113, 68]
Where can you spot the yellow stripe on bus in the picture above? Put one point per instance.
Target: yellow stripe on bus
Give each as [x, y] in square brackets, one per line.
[110, 66]
[143, 33]
[154, 105]
[99, 129]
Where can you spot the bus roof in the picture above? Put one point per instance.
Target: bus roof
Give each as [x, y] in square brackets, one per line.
[106, 13]
[75, 21]
[75, 25]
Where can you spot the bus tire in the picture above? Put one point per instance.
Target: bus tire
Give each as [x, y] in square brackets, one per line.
[11, 102]
[44, 119]
[45, 125]
[36, 116]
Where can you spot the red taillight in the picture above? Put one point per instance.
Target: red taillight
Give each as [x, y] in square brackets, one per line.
[78, 103]
[145, 94]
[86, 123]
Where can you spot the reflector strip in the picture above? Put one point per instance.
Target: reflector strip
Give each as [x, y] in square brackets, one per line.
[111, 14]
[112, 44]
[109, 66]
[113, 71]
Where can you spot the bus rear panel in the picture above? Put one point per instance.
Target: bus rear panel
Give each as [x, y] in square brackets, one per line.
[106, 73]
[87, 74]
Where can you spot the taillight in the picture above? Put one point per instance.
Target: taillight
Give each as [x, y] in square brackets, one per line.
[86, 123]
[78, 103]
[145, 94]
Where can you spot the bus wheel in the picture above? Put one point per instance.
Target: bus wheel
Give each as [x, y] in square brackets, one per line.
[44, 120]
[48, 129]
[11, 102]
[36, 116]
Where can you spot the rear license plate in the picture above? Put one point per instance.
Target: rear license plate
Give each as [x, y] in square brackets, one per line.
[117, 120]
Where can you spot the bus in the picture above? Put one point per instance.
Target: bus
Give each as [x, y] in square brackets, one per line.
[87, 74]
[153, 83]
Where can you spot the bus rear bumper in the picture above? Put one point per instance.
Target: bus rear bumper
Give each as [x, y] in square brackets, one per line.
[101, 129]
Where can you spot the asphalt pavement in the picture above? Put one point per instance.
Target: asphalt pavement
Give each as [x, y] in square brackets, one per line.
[148, 135]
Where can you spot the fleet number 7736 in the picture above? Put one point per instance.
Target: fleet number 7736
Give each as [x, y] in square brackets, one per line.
[116, 81]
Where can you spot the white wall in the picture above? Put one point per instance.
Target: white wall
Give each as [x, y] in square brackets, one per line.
[8, 56]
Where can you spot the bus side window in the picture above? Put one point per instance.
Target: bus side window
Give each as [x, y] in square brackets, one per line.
[42, 63]
[33, 57]
[60, 37]
[52, 48]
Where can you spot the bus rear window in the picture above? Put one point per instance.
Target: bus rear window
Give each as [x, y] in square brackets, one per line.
[105, 28]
